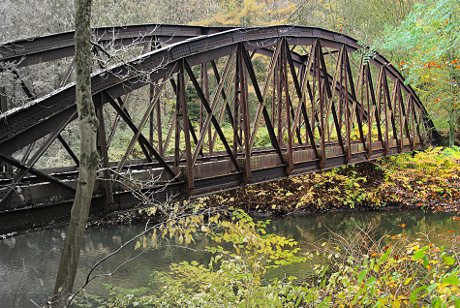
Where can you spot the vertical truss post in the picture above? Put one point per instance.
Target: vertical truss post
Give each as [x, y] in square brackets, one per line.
[237, 90]
[102, 149]
[177, 131]
[347, 106]
[417, 123]
[283, 65]
[182, 104]
[279, 99]
[369, 114]
[406, 115]
[385, 98]
[312, 90]
[272, 101]
[245, 115]
[412, 120]
[389, 108]
[392, 106]
[149, 46]
[340, 99]
[322, 128]
[400, 102]
[200, 116]
[375, 107]
[151, 116]
[177, 127]
[205, 87]
[359, 106]
[4, 168]
[159, 128]
[382, 99]
[3, 100]
[155, 114]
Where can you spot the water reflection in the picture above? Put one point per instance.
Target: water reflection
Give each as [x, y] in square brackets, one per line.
[28, 263]
[412, 224]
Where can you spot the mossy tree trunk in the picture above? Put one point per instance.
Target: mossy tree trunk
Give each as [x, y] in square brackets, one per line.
[88, 155]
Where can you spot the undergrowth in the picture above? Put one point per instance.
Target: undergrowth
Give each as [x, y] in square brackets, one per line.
[427, 179]
[360, 271]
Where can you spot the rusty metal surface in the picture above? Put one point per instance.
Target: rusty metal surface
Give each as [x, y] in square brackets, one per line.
[41, 49]
[272, 102]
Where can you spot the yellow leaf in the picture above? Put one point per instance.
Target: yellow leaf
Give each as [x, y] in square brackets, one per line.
[407, 281]
[205, 229]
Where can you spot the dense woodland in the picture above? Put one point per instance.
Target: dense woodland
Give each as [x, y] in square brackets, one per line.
[421, 38]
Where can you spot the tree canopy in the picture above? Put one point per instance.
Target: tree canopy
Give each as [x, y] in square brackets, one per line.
[425, 46]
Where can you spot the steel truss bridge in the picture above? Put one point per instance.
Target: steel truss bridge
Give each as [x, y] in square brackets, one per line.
[192, 110]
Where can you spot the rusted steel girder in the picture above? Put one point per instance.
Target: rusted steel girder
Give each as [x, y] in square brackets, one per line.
[41, 49]
[241, 106]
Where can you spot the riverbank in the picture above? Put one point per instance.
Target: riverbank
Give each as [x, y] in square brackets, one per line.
[428, 179]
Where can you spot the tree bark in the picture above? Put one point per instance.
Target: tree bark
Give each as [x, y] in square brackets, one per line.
[88, 155]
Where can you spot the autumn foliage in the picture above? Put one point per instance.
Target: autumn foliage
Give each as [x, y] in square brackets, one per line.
[429, 179]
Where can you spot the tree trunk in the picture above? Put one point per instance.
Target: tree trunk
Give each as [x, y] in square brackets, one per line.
[88, 155]
[457, 132]
[451, 132]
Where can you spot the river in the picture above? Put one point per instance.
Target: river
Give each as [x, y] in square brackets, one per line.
[28, 262]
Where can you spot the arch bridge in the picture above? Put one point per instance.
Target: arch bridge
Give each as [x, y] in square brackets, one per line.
[192, 110]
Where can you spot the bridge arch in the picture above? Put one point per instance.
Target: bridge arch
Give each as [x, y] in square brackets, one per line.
[272, 102]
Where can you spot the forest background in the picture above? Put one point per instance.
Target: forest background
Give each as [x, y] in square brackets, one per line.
[420, 37]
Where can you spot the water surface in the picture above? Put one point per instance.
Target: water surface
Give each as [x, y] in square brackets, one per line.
[28, 263]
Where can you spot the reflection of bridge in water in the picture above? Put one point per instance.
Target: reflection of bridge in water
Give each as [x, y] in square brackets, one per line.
[235, 106]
